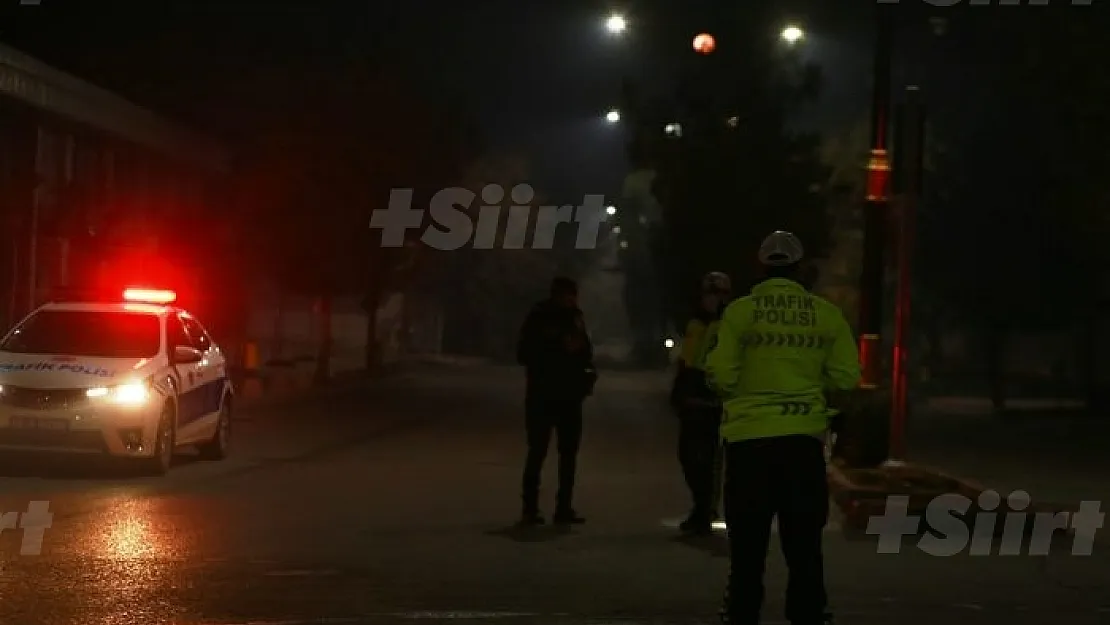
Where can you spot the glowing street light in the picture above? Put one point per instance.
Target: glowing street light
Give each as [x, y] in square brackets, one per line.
[792, 34]
[610, 210]
[705, 43]
[613, 116]
[616, 24]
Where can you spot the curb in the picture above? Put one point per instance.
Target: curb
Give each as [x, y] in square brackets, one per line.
[859, 502]
[255, 394]
[862, 493]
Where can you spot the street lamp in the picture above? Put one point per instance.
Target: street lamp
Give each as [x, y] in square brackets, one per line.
[613, 116]
[610, 210]
[616, 24]
[705, 43]
[792, 34]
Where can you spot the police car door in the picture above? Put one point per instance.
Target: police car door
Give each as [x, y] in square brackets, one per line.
[209, 377]
[189, 405]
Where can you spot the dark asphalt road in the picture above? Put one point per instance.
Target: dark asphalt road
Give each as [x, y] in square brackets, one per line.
[392, 502]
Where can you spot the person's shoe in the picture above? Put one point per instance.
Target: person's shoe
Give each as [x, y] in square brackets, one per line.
[530, 519]
[567, 517]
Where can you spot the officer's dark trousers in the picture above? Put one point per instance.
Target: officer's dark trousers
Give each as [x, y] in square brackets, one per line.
[698, 439]
[783, 477]
[544, 416]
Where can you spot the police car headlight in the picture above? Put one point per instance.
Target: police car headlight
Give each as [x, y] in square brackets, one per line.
[130, 394]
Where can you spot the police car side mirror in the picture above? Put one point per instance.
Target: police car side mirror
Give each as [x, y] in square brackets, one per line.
[183, 355]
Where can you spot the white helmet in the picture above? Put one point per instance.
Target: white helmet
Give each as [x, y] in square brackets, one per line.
[780, 248]
[716, 281]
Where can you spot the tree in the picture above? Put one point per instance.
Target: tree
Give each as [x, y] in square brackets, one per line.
[1021, 205]
[491, 290]
[844, 154]
[318, 170]
[736, 172]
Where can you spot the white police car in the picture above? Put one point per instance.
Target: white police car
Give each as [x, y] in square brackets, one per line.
[137, 378]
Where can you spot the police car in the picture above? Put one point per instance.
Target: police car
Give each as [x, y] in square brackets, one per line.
[136, 378]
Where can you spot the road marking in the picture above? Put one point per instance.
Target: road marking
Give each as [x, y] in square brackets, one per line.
[301, 573]
[719, 527]
[361, 620]
[316, 621]
[467, 615]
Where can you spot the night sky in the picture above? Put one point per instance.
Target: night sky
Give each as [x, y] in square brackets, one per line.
[536, 77]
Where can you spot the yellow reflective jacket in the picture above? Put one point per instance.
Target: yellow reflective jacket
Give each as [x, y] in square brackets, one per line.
[690, 384]
[697, 342]
[777, 352]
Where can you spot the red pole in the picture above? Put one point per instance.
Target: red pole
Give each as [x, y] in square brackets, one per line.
[912, 136]
[876, 206]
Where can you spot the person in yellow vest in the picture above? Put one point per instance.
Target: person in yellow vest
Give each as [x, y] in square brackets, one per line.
[779, 352]
[699, 408]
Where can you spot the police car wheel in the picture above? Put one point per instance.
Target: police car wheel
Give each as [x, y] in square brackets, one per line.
[217, 448]
[165, 443]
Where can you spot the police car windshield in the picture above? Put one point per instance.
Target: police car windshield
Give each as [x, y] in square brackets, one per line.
[94, 334]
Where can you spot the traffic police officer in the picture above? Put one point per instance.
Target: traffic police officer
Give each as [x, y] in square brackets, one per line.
[779, 351]
[699, 409]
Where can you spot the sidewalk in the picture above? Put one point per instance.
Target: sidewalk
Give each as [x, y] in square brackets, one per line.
[1055, 455]
[275, 385]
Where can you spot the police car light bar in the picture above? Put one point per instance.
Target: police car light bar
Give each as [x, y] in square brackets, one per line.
[149, 296]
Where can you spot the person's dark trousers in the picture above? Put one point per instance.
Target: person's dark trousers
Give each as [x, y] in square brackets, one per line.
[544, 416]
[783, 477]
[698, 439]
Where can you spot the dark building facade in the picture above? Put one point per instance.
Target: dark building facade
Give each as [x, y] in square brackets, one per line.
[97, 193]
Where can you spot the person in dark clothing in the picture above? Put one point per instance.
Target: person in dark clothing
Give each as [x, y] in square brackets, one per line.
[699, 408]
[558, 358]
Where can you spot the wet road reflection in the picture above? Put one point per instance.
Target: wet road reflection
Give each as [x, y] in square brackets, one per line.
[342, 514]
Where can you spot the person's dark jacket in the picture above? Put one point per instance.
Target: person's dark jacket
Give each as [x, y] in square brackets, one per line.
[556, 352]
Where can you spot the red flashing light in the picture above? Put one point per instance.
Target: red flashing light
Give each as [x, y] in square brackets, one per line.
[149, 296]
